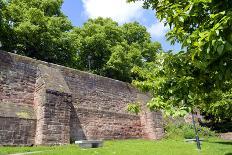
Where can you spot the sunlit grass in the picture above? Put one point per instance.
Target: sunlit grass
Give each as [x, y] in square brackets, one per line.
[133, 147]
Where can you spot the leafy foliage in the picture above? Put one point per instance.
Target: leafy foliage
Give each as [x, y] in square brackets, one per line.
[171, 80]
[37, 28]
[113, 50]
[95, 39]
[219, 104]
[182, 130]
[198, 78]
[133, 108]
[178, 87]
[203, 27]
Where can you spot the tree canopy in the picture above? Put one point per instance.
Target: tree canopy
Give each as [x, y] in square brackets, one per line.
[113, 50]
[179, 87]
[37, 28]
[203, 27]
[201, 76]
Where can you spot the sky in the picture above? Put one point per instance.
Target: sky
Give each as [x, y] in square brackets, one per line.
[79, 11]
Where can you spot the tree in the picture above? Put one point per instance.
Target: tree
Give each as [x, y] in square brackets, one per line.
[122, 60]
[218, 107]
[204, 27]
[113, 50]
[38, 29]
[175, 84]
[1, 18]
[4, 26]
[95, 39]
[135, 33]
[172, 82]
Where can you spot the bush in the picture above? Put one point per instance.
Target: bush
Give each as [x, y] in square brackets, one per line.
[189, 134]
[188, 131]
[206, 132]
[184, 130]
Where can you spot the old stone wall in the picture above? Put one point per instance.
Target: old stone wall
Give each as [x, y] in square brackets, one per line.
[53, 121]
[68, 104]
[99, 124]
[152, 125]
[99, 95]
[17, 118]
[52, 106]
[96, 92]
[17, 131]
[226, 136]
[17, 80]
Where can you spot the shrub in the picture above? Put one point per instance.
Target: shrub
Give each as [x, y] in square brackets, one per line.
[190, 134]
[184, 130]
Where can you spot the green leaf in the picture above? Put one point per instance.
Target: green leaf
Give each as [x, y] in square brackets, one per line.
[220, 49]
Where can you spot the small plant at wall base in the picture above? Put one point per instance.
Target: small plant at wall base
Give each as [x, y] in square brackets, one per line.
[180, 130]
[134, 108]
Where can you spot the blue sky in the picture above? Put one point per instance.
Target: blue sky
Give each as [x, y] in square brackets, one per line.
[79, 11]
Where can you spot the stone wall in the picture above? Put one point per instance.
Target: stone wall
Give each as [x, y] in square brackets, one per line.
[226, 136]
[152, 125]
[17, 117]
[96, 92]
[68, 104]
[17, 80]
[17, 131]
[54, 119]
[52, 106]
[99, 124]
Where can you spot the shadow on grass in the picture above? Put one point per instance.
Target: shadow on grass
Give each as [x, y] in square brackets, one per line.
[228, 154]
[224, 143]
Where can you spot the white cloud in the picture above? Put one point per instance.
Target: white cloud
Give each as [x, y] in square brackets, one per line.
[118, 10]
[157, 30]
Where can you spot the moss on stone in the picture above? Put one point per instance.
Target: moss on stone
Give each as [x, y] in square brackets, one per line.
[23, 115]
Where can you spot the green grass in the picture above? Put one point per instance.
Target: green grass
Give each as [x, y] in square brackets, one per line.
[134, 147]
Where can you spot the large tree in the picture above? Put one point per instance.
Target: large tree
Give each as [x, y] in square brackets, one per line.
[37, 28]
[111, 50]
[179, 87]
[203, 27]
[95, 39]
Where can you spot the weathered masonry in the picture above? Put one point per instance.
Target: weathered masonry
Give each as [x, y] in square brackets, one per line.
[43, 103]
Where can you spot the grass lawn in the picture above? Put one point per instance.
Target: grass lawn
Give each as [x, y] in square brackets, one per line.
[133, 147]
